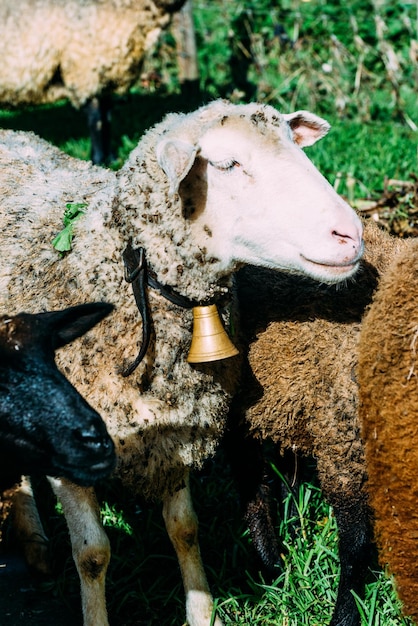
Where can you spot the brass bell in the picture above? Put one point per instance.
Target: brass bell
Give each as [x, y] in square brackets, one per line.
[209, 341]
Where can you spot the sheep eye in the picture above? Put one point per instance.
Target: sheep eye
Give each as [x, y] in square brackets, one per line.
[225, 166]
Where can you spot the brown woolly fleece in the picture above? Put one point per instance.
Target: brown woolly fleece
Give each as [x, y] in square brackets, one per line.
[75, 49]
[388, 380]
[301, 388]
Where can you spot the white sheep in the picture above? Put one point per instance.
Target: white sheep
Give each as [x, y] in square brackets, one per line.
[201, 194]
[80, 50]
[301, 392]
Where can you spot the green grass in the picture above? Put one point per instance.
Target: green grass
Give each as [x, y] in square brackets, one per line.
[144, 584]
[333, 59]
[349, 62]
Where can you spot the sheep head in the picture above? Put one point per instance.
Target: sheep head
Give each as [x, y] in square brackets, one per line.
[227, 185]
[45, 425]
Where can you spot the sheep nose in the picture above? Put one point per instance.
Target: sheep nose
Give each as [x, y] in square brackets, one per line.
[343, 238]
[97, 440]
[352, 239]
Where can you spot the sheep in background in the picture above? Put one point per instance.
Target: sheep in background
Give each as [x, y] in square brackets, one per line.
[301, 392]
[81, 50]
[46, 427]
[199, 196]
[186, 49]
[388, 411]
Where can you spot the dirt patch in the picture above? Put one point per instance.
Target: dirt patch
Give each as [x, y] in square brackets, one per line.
[396, 210]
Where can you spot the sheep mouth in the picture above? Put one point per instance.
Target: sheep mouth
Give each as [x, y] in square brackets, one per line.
[335, 269]
[85, 475]
[348, 267]
[27, 454]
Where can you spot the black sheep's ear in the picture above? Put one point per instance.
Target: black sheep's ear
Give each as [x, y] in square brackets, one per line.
[68, 324]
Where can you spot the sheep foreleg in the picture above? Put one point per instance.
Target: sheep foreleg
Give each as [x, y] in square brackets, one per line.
[98, 119]
[28, 527]
[355, 549]
[182, 527]
[90, 547]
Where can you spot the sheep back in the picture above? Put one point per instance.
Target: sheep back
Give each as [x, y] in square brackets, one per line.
[75, 49]
[301, 388]
[388, 381]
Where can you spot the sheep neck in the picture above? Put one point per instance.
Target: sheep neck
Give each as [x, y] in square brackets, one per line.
[138, 274]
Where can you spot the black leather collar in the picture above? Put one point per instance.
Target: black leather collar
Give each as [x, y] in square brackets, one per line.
[140, 276]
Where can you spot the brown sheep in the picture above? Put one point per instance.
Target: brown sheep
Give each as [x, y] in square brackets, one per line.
[301, 392]
[388, 382]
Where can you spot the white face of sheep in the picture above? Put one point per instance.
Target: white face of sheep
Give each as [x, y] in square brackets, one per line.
[256, 197]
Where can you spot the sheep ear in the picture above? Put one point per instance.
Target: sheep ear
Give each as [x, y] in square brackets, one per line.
[306, 127]
[175, 157]
[68, 324]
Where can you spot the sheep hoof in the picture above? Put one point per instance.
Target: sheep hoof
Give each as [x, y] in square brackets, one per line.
[200, 609]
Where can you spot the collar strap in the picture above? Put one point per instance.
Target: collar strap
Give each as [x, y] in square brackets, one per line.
[138, 274]
[169, 293]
